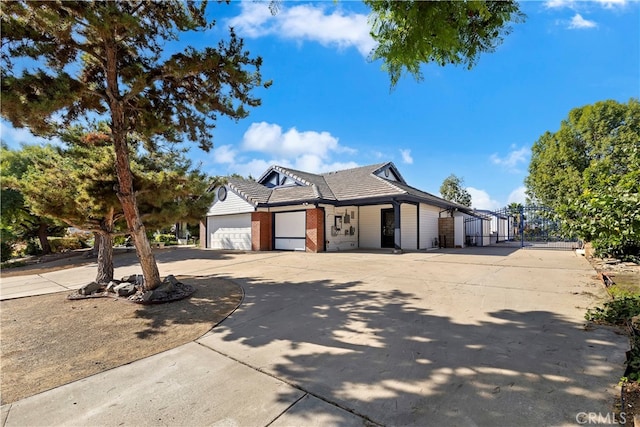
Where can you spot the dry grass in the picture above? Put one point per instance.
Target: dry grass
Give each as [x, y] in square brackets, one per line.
[48, 341]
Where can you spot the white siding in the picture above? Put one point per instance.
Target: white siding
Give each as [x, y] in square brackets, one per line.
[340, 240]
[408, 226]
[370, 226]
[229, 232]
[459, 230]
[233, 204]
[428, 225]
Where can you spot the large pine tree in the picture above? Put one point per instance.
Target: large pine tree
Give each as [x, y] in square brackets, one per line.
[75, 186]
[65, 62]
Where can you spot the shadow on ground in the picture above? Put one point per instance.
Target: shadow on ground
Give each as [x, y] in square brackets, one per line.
[388, 355]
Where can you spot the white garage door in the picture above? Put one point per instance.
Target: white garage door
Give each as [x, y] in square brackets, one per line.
[230, 231]
[290, 231]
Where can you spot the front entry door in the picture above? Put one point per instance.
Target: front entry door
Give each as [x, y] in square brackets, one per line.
[388, 228]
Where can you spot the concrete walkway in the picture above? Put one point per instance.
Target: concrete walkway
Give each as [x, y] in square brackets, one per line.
[484, 336]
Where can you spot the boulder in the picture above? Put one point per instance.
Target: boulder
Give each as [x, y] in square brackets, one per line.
[111, 285]
[89, 288]
[125, 289]
[171, 279]
[147, 296]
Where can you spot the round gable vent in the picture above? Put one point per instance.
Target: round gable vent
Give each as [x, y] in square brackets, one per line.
[222, 193]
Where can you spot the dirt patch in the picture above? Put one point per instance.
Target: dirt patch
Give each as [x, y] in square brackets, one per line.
[48, 341]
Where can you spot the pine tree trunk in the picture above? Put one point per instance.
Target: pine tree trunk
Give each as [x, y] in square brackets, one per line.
[43, 236]
[97, 237]
[105, 257]
[126, 193]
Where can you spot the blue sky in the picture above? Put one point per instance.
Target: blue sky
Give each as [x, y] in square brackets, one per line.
[330, 108]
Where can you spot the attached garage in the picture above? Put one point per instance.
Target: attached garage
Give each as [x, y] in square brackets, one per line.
[230, 231]
[363, 207]
[290, 231]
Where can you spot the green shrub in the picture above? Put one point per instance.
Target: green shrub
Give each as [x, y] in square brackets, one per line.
[626, 251]
[167, 239]
[119, 240]
[6, 251]
[63, 244]
[33, 248]
[616, 312]
[83, 237]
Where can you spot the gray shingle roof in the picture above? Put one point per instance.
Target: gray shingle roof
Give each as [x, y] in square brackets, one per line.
[359, 183]
[253, 192]
[348, 185]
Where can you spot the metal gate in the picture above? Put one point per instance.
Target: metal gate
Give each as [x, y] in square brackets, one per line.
[527, 227]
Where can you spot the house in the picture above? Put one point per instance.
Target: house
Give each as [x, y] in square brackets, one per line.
[366, 207]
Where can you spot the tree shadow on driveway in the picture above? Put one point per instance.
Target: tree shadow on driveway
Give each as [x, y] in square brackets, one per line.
[391, 356]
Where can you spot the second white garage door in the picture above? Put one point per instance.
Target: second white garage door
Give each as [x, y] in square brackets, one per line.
[230, 232]
[290, 231]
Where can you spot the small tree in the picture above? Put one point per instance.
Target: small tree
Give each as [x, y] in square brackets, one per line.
[452, 189]
[17, 221]
[122, 73]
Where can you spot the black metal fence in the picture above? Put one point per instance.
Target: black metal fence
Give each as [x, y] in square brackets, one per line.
[518, 226]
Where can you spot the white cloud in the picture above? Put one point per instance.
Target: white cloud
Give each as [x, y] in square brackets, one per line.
[309, 151]
[480, 199]
[579, 23]
[608, 4]
[255, 167]
[406, 156]
[558, 4]
[224, 154]
[575, 5]
[513, 159]
[306, 22]
[16, 137]
[518, 196]
[269, 138]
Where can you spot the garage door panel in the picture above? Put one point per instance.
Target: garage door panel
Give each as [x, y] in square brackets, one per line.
[290, 231]
[230, 232]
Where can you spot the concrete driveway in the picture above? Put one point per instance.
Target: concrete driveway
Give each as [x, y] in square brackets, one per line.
[478, 337]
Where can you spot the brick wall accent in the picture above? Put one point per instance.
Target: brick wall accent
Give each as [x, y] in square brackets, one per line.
[202, 243]
[261, 231]
[446, 232]
[315, 230]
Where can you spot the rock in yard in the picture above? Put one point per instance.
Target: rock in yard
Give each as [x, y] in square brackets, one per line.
[171, 279]
[146, 297]
[134, 278]
[89, 288]
[111, 285]
[125, 289]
